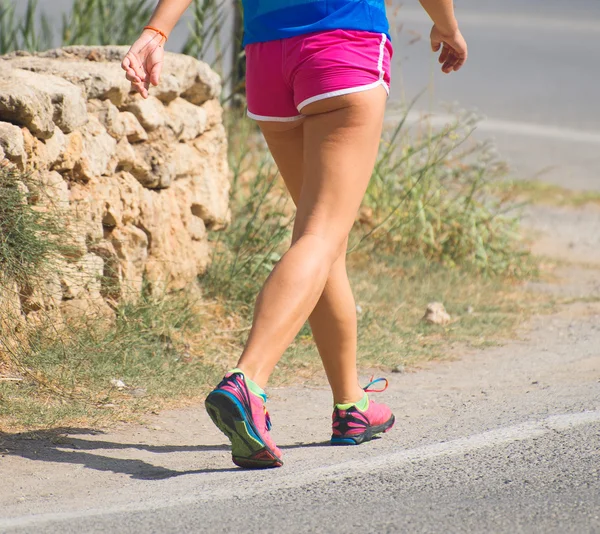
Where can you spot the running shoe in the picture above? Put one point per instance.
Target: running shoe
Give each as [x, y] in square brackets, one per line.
[242, 416]
[358, 422]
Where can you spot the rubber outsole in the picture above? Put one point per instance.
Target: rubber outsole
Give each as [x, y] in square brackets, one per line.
[248, 450]
[367, 435]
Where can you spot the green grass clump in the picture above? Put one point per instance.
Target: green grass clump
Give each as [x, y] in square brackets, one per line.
[30, 235]
[433, 195]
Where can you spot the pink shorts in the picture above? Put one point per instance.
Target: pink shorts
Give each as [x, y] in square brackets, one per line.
[284, 76]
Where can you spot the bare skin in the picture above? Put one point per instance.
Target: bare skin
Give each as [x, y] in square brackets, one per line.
[326, 160]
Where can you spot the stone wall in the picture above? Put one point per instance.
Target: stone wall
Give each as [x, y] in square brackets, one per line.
[139, 181]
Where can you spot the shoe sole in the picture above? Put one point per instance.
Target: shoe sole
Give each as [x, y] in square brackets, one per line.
[247, 447]
[367, 435]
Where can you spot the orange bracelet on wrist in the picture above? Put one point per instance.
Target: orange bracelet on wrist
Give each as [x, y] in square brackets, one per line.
[160, 32]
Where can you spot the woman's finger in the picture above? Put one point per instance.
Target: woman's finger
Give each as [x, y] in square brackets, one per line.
[137, 66]
[444, 54]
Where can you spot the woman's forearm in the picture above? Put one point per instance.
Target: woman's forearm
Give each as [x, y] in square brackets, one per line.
[167, 14]
[442, 14]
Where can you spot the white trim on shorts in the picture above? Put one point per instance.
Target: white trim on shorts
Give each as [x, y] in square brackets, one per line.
[358, 89]
[273, 119]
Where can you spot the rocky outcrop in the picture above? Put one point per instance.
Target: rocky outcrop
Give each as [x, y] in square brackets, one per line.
[137, 181]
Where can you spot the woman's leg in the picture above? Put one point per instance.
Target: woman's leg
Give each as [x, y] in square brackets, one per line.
[333, 321]
[340, 137]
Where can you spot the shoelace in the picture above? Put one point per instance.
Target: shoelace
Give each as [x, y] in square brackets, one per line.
[267, 418]
[368, 389]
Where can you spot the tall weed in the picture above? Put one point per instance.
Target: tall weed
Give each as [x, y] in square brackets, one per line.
[434, 193]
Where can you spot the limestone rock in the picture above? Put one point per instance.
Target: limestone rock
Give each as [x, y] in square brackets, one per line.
[211, 192]
[97, 79]
[187, 120]
[131, 246]
[109, 116]
[82, 277]
[132, 128]
[55, 147]
[154, 165]
[436, 314]
[139, 181]
[71, 154]
[24, 104]
[98, 151]
[54, 190]
[149, 112]
[12, 144]
[188, 161]
[214, 113]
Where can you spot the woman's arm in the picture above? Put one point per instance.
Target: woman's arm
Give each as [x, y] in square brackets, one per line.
[143, 63]
[445, 32]
[167, 14]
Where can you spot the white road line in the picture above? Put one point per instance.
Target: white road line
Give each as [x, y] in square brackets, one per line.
[525, 129]
[485, 440]
[517, 21]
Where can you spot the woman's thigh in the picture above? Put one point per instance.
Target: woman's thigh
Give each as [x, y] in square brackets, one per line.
[340, 141]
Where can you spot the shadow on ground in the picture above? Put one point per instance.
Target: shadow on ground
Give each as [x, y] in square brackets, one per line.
[62, 446]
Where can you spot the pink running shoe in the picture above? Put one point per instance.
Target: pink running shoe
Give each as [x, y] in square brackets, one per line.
[242, 416]
[353, 426]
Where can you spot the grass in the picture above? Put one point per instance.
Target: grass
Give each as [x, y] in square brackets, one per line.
[153, 349]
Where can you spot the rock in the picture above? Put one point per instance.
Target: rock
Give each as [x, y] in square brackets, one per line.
[187, 160]
[125, 156]
[71, 155]
[398, 369]
[132, 128]
[138, 392]
[214, 113]
[110, 287]
[54, 190]
[24, 104]
[211, 192]
[131, 246]
[167, 90]
[97, 80]
[139, 181]
[154, 166]
[55, 148]
[12, 144]
[117, 383]
[109, 116]
[436, 314]
[149, 112]
[98, 151]
[187, 120]
[83, 277]
[116, 199]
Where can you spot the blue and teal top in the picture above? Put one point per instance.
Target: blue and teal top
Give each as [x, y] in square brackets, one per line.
[269, 20]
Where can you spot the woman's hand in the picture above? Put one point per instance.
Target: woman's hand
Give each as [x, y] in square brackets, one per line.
[454, 49]
[144, 61]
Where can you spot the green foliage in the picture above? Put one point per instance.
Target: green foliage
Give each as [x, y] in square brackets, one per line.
[30, 236]
[433, 194]
[105, 22]
[23, 34]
